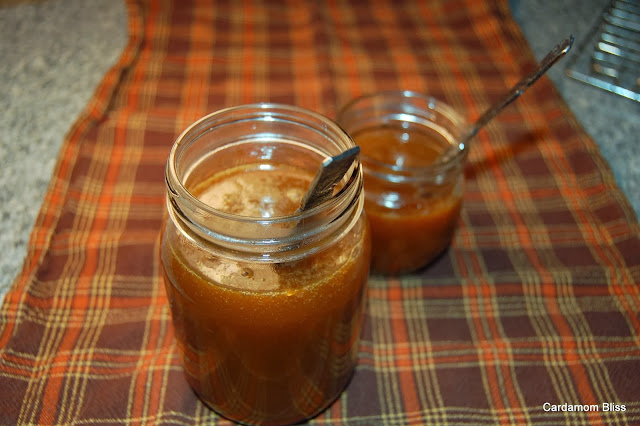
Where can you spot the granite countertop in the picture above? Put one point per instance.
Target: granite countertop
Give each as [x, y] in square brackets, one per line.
[55, 53]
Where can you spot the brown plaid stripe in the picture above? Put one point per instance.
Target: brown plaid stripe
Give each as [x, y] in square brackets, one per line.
[536, 301]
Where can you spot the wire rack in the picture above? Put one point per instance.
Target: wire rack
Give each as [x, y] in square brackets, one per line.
[610, 58]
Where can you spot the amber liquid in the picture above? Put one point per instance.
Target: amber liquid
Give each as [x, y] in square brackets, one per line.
[410, 225]
[266, 343]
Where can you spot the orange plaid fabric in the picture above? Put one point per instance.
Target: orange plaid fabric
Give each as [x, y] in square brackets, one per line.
[536, 301]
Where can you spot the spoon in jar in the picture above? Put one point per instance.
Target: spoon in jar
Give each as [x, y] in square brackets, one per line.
[331, 172]
[544, 65]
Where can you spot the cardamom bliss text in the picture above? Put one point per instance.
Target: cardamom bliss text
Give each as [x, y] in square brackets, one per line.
[605, 406]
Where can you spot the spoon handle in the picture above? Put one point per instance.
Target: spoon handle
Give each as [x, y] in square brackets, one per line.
[546, 63]
[330, 173]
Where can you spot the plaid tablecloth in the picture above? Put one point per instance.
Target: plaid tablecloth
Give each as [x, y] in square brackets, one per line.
[536, 301]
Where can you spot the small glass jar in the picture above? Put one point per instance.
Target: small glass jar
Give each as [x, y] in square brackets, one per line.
[266, 301]
[413, 193]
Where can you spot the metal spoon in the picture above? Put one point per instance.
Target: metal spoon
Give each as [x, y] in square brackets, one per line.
[328, 176]
[546, 63]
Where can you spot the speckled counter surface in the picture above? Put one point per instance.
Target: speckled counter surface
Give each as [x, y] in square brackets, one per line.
[55, 52]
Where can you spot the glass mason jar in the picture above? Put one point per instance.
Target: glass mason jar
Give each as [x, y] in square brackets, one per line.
[266, 301]
[413, 193]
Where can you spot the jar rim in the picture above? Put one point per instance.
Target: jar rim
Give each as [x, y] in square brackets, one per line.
[415, 115]
[229, 127]
[178, 188]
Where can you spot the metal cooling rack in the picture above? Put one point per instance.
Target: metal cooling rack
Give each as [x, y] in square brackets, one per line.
[610, 58]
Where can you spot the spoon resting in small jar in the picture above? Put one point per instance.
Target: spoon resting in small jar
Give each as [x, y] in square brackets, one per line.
[547, 62]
